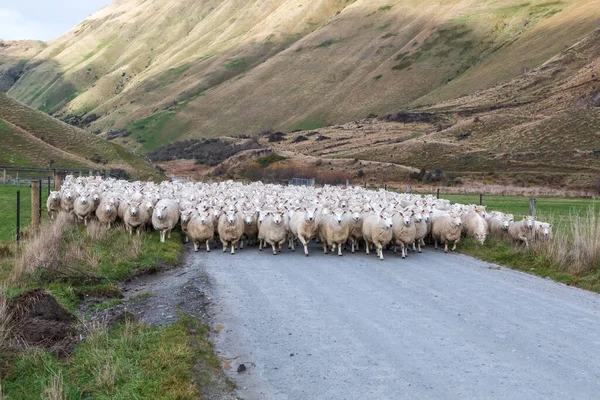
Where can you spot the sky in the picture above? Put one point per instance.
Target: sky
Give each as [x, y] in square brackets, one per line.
[43, 19]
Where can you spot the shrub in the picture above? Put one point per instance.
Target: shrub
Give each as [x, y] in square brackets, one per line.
[206, 151]
[270, 159]
[299, 139]
[360, 173]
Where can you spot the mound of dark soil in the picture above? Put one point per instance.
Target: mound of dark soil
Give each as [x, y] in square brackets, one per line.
[38, 320]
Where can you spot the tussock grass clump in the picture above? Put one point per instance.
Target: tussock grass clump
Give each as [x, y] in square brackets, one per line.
[577, 249]
[44, 249]
[5, 320]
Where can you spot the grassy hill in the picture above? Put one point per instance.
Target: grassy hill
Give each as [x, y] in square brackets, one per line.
[179, 69]
[33, 138]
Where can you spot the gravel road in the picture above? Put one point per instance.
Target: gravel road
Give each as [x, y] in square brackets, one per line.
[433, 326]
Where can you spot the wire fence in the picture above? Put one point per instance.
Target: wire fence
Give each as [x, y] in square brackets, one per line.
[16, 212]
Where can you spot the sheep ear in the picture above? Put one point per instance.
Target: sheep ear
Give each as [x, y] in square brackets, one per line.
[128, 202]
[550, 226]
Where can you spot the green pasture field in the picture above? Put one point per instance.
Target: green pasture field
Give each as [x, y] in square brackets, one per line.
[8, 209]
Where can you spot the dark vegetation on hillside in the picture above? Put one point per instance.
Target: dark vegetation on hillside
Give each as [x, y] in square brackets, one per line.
[205, 151]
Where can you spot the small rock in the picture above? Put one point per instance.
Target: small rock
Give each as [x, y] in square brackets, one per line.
[241, 368]
[291, 354]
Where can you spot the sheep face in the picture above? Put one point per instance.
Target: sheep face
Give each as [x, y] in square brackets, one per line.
[277, 217]
[69, 195]
[480, 237]
[249, 218]
[54, 195]
[186, 215]
[355, 215]
[160, 213]
[108, 208]
[456, 220]
[405, 218]
[529, 221]
[387, 220]
[230, 214]
[545, 229]
[204, 218]
[338, 215]
[134, 210]
[507, 221]
[418, 216]
[310, 214]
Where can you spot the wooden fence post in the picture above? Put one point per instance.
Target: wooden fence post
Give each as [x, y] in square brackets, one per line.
[532, 207]
[480, 199]
[438, 193]
[4, 177]
[408, 189]
[57, 180]
[18, 215]
[35, 205]
[48, 186]
[40, 201]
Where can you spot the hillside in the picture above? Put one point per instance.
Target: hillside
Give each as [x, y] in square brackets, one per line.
[32, 138]
[180, 69]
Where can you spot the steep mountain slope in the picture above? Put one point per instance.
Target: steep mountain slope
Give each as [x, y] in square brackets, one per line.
[177, 69]
[33, 138]
[542, 127]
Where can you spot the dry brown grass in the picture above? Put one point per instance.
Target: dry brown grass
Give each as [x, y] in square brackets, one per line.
[577, 249]
[55, 390]
[96, 231]
[506, 190]
[44, 249]
[5, 320]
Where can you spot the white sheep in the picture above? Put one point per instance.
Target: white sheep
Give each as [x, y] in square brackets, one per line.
[543, 231]
[334, 230]
[136, 217]
[53, 204]
[447, 228]
[273, 230]
[404, 230]
[475, 225]
[83, 207]
[67, 200]
[164, 217]
[107, 212]
[356, 227]
[377, 230]
[523, 231]
[250, 227]
[303, 226]
[421, 230]
[499, 223]
[200, 229]
[230, 228]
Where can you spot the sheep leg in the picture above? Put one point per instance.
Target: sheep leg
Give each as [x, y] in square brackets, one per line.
[324, 247]
[138, 231]
[233, 244]
[196, 246]
[367, 247]
[456, 241]
[380, 251]
[293, 244]
[187, 238]
[224, 245]
[260, 244]
[404, 250]
[280, 245]
[414, 247]
[436, 243]
[162, 236]
[446, 247]
[207, 246]
[352, 242]
[419, 245]
[169, 234]
[241, 244]
[274, 248]
[339, 250]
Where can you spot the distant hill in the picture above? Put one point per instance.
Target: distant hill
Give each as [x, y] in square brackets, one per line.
[150, 72]
[32, 138]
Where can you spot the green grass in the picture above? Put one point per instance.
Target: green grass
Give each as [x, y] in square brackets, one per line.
[309, 124]
[383, 27]
[557, 208]
[8, 216]
[129, 361]
[237, 63]
[503, 252]
[268, 160]
[106, 304]
[385, 8]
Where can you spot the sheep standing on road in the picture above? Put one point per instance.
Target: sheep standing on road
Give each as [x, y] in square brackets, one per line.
[303, 226]
[377, 230]
[404, 230]
[231, 229]
[334, 230]
[200, 229]
[273, 230]
[356, 227]
[421, 229]
[164, 217]
[447, 228]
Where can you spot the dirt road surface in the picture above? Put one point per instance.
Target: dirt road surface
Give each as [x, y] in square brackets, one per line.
[433, 326]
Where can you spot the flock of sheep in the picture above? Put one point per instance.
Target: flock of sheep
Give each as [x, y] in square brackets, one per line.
[272, 215]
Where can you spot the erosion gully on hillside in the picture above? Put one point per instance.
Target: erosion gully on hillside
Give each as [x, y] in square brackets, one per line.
[432, 326]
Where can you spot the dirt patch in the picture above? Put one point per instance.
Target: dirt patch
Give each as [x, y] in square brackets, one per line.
[38, 320]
